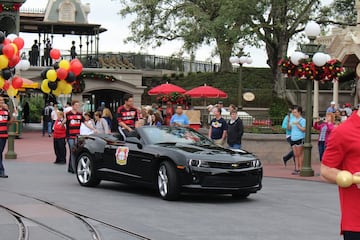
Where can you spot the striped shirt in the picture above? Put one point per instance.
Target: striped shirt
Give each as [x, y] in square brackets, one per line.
[73, 123]
[4, 120]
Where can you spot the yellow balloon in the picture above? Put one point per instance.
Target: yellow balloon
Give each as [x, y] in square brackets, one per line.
[61, 85]
[44, 86]
[65, 64]
[15, 48]
[67, 89]
[51, 75]
[11, 92]
[4, 62]
[56, 92]
[2, 82]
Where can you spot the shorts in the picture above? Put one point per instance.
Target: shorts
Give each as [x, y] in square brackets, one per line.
[299, 142]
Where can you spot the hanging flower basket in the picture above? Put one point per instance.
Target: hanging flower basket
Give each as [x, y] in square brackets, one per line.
[174, 98]
[306, 69]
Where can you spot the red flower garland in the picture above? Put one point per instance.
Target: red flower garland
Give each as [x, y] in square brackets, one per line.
[306, 69]
[10, 7]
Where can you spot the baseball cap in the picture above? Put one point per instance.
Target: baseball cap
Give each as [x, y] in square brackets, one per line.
[332, 102]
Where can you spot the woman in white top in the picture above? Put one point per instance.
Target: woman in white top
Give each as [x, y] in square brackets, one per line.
[88, 126]
[101, 124]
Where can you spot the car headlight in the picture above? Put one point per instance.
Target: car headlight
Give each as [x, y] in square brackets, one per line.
[256, 163]
[198, 163]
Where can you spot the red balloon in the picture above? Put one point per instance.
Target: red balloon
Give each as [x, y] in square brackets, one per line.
[6, 85]
[55, 53]
[19, 42]
[17, 82]
[6, 41]
[14, 60]
[76, 67]
[61, 73]
[8, 50]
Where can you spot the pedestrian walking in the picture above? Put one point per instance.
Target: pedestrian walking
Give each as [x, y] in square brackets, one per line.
[288, 118]
[59, 136]
[343, 153]
[5, 120]
[46, 120]
[235, 131]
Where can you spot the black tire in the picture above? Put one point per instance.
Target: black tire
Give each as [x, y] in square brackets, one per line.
[168, 183]
[85, 172]
[240, 195]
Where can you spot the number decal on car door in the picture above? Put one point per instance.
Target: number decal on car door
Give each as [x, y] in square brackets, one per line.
[121, 155]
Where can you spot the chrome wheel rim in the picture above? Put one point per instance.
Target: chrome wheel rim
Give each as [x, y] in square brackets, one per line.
[163, 181]
[84, 170]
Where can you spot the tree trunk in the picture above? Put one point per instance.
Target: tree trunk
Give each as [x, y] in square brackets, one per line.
[225, 50]
[275, 55]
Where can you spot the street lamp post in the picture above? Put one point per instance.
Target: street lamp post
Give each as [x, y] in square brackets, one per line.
[240, 60]
[312, 30]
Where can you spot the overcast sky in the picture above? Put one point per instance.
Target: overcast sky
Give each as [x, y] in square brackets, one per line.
[104, 12]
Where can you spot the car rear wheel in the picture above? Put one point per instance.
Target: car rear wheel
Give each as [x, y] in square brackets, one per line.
[85, 171]
[168, 181]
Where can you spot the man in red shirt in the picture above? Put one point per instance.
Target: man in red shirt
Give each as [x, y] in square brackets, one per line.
[127, 115]
[5, 120]
[343, 153]
[73, 120]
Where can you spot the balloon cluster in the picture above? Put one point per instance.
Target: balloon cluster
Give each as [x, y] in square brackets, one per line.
[60, 78]
[10, 60]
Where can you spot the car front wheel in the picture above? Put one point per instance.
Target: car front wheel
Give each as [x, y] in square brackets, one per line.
[85, 171]
[168, 181]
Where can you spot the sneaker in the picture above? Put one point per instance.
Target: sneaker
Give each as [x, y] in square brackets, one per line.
[4, 176]
[295, 172]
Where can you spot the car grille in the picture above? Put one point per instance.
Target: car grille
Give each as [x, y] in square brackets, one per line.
[232, 181]
[238, 165]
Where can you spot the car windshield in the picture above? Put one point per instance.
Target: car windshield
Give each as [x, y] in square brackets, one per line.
[173, 135]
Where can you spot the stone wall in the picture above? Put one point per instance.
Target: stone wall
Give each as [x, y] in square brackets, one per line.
[270, 148]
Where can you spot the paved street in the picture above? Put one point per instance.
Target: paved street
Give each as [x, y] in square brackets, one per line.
[44, 194]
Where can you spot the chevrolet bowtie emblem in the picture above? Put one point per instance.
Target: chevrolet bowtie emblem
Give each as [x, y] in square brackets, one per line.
[234, 165]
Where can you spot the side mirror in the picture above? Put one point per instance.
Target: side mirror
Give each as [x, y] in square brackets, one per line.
[134, 140]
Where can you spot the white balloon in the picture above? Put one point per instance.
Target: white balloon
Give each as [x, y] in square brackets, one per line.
[243, 59]
[25, 64]
[249, 60]
[296, 57]
[12, 36]
[234, 60]
[319, 59]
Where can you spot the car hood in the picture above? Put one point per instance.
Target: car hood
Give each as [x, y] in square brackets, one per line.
[208, 152]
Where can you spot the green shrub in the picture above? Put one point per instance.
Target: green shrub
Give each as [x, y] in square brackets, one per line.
[36, 104]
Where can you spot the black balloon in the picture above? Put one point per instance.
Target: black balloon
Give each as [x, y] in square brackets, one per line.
[70, 77]
[6, 74]
[2, 37]
[56, 65]
[43, 72]
[52, 85]
[1, 48]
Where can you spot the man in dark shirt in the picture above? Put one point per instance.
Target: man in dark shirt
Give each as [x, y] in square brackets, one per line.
[127, 115]
[218, 128]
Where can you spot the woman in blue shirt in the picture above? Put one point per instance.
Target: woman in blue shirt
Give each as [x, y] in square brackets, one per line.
[297, 127]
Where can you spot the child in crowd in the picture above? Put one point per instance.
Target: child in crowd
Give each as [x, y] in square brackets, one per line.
[59, 135]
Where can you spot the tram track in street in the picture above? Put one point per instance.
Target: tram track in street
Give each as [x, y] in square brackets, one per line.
[96, 229]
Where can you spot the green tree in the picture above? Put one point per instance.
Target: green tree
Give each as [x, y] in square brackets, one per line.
[276, 23]
[196, 22]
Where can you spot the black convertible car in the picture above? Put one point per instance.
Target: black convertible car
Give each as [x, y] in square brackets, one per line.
[170, 159]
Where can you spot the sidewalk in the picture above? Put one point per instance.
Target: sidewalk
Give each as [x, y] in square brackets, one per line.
[33, 147]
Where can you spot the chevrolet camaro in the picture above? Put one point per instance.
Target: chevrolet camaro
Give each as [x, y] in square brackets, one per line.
[172, 160]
